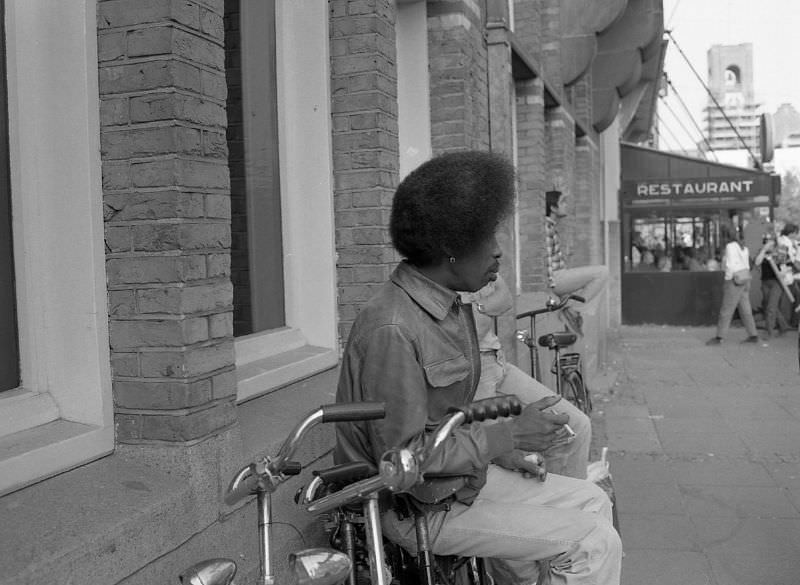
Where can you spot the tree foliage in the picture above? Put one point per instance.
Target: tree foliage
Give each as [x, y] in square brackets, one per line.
[789, 207]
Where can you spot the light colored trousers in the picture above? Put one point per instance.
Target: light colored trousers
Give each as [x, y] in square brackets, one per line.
[587, 281]
[734, 296]
[499, 377]
[516, 521]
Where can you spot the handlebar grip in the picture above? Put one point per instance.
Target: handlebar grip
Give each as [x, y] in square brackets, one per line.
[578, 298]
[292, 468]
[346, 472]
[351, 411]
[246, 487]
[490, 409]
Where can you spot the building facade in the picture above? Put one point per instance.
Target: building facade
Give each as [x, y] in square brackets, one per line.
[199, 194]
[732, 115]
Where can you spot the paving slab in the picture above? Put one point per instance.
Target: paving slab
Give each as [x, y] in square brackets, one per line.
[705, 456]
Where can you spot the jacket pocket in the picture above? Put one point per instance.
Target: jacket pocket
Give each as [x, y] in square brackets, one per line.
[447, 372]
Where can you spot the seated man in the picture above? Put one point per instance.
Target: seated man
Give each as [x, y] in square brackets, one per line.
[586, 281]
[414, 346]
[499, 377]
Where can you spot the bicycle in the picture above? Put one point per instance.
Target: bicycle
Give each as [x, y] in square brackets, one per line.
[356, 528]
[315, 566]
[567, 367]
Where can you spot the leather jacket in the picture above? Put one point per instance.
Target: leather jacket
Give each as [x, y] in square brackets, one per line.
[414, 346]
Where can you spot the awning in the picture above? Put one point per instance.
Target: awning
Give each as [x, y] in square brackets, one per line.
[654, 179]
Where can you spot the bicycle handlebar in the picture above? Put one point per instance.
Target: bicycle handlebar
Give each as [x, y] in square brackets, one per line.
[268, 473]
[353, 411]
[552, 305]
[400, 469]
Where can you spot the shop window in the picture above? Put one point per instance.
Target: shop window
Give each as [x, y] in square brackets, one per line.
[282, 256]
[687, 240]
[56, 410]
[674, 243]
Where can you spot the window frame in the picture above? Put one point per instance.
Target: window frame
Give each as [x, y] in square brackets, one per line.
[62, 414]
[308, 344]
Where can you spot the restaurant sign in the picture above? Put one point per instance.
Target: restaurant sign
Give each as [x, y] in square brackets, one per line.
[713, 187]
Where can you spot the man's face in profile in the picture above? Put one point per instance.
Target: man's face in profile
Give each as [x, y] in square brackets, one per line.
[559, 210]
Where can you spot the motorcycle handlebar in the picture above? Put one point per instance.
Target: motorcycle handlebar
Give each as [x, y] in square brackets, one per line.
[490, 409]
[353, 411]
[244, 484]
[400, 469]
[268, 474]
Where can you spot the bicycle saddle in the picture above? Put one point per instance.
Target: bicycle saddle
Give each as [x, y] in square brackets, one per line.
[559, 339]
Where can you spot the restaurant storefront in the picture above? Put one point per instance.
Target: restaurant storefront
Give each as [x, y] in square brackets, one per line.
[674, 209]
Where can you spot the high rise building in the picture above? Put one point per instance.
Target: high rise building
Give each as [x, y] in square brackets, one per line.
[731, 117]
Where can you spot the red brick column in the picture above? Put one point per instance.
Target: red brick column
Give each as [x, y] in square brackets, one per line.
[365, 146]
[167, 217]
[551, 42]
[531, 177]
[458, 77]
[588, 208]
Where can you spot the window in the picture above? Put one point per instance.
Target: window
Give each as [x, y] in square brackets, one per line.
[732, 76]
[674, 242]
[60, 413]
[283, 256]
[9, 347]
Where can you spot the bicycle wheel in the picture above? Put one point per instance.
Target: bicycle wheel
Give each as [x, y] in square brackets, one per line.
[574, 390]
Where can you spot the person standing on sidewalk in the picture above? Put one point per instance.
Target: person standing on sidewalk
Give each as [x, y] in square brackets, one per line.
[587, 281]
[771, 289]
[736, 288]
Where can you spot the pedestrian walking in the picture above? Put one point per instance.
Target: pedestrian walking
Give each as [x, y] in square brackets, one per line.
[771, 290]
[736, 287]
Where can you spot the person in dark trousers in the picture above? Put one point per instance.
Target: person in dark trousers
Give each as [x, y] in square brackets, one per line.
[414, 346]
[771, 289]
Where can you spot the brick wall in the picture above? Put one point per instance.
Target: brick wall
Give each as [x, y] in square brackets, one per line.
[528, 22]
[550, 55]
[531, 178]
[167, 213]
[585, 206]
[458, 77]
[365, 146]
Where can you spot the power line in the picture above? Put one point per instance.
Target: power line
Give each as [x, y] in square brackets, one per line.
[691, 117]
[678, 119]
[666, 127]
[674, 10]
[716, 103]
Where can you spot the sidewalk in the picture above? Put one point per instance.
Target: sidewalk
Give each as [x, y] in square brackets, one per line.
[705, 455]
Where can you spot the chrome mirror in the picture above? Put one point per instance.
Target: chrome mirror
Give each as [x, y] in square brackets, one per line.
[210, 572]
[319, 566]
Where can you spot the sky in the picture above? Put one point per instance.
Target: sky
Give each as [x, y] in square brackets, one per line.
[771, 26]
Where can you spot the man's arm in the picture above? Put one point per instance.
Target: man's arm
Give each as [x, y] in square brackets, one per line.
[392, 373]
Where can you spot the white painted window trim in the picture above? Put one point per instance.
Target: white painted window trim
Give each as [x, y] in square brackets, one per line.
[62, 415]
[309, 343]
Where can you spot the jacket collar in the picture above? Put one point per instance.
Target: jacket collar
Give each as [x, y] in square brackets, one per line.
[434, 298]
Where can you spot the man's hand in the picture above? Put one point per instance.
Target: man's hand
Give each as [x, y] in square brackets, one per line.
[537, 430]
[528, 464]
